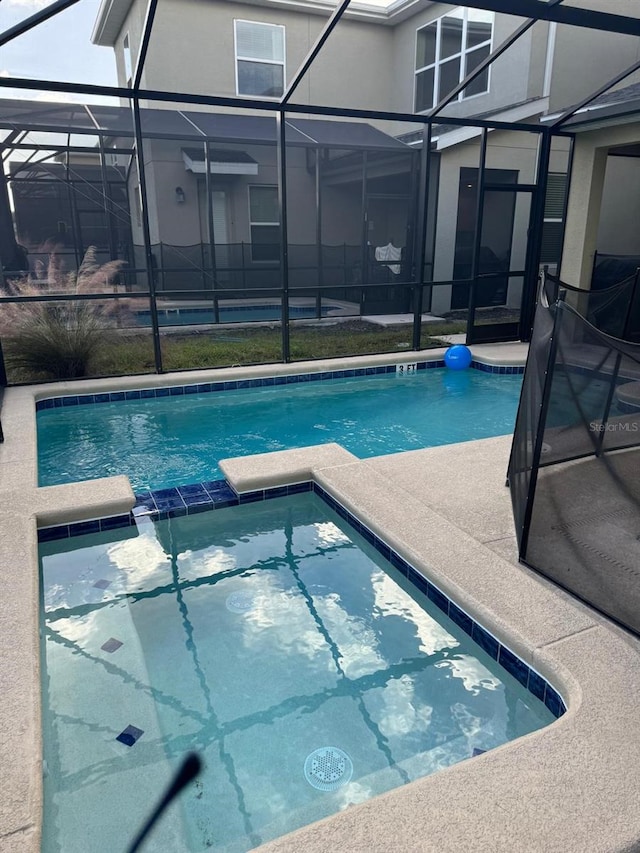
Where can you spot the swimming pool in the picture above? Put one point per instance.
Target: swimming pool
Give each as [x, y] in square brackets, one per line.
[186, 316]
[171, 437]
[283, 632]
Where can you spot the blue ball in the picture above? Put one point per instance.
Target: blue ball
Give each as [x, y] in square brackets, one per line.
[458, 357]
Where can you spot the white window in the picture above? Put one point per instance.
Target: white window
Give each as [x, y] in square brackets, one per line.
[259, 59]
[449, 49]
[128, 72]
[264, 223]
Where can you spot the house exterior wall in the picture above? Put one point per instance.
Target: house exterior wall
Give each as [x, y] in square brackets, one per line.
[618, 232]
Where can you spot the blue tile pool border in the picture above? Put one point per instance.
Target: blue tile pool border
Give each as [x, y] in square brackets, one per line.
[218, 494]
[260, 382]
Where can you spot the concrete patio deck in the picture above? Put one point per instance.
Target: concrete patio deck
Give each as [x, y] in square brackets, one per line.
[569, 787]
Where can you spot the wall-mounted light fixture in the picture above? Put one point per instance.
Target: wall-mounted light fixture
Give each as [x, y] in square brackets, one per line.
[180, 196]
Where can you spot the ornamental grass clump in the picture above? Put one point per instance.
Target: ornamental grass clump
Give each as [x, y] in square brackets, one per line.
[59, 339]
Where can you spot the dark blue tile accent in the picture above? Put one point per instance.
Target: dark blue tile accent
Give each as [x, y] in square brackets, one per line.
[514, 665]
[40, 405]
[553, 701]
[145, 393]
[438, 598]
[116, 521]
[536, 685]
[103, 583]
[269, 380]
[398, 563]
[176, 511]
[57, 402]
[304, 377]
[278, 492]
[81, 528]
[116, 396]
[86, 399]
[132, 395]
[418, 581]
[298, 488]
[130, 735]
[164, 494]
[112, 645]
[338, 374]
[205, 506]
[192, 489]
[169, 503]
[176, 391]
[477, 751]
[462, 619]
[162, 392]
[251, 497]
[223, 504]
[367, 534]
[291, 380]
[204, 387]
[50, 534]
[190, 389]
[220, 490]
[197, 499]
[485, 640]
[382, 547]
[230, 386]
[69, 401]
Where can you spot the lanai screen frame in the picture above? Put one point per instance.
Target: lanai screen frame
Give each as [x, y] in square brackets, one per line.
[535, 10]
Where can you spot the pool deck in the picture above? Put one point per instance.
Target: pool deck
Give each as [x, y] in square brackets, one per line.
[572, 786]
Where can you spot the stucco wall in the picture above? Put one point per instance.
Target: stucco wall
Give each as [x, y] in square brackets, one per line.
[618, 231]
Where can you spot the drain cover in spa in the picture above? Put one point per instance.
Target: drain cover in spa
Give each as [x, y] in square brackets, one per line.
[239, 602]
[328, 768]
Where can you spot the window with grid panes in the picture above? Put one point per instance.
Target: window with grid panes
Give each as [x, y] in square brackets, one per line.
[449, 49]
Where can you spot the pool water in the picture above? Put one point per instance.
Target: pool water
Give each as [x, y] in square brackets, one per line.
[229, 314]
[255, 635]
[171, 441]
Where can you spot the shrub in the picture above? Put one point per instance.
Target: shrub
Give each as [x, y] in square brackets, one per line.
[59, 340]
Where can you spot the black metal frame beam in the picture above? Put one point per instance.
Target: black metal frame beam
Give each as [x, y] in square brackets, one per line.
[315, 50]
[586, 101]
[244, 104]
[35, 19]
[571, 15]
[144, 44]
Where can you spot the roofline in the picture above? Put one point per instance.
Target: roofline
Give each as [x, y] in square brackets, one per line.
[112, 13]
[600, 115]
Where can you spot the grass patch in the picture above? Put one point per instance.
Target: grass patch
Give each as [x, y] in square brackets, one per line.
[130, 354]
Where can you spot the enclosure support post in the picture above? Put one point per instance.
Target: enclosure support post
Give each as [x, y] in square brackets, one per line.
[534, 243]
[420, 235]
[284, 245]
[477, 238]
[211, 227]
[318, 178]
[146, 234]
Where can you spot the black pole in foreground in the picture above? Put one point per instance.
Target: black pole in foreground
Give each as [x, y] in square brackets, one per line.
[189, 769]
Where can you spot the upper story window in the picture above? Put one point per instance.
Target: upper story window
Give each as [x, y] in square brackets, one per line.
[447, 50]
[259, 59]
[128, 72]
